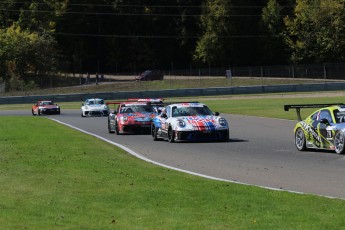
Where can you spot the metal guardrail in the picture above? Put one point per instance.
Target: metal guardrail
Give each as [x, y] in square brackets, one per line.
[178, 93]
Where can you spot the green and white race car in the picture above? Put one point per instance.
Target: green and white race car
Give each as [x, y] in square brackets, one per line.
[323, 129]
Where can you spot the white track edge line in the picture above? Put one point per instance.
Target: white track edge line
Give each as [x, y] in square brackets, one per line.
[133, 153]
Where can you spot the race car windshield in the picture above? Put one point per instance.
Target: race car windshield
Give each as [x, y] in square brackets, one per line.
[137, 109]
[99, 102]
[339, 116]
[95, 102]
[191, 111]
[46, 103]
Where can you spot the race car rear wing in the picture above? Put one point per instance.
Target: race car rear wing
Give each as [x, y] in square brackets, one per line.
[152, 100]
[304, 106]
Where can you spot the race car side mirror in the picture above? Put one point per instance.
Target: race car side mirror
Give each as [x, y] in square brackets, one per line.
[216, 113]
[324, 121]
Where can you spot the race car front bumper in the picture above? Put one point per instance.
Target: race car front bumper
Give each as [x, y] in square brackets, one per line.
[202, 135]
[96, 113]
[136, 128]
[50, 111]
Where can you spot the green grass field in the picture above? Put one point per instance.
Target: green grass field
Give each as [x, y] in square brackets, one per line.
[171, 83]
[54, 177]
[271, 105]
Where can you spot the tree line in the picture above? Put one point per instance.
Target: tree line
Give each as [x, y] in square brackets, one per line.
[41, 37]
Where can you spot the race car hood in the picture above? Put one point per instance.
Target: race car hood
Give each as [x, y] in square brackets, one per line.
[201, 123]
[96, 106]
[140, 117]
[48, 106]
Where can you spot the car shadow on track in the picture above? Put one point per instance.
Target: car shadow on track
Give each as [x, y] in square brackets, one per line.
[237, 140]
[234, 140]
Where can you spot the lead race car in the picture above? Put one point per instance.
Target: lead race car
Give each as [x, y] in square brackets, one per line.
[323, 129]
[134, 115]
[189, 121]
[94, 107]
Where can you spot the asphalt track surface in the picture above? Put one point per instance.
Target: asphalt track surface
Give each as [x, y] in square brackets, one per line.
[260, 152]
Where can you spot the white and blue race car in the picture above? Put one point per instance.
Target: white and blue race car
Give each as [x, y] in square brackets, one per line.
[190, 121]
[94, 107]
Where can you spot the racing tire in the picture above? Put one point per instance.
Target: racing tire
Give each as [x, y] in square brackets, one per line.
[300, 141]
[39, 112]
[33, 113]
[109, 128]
[154, 132]
[171, 135]
[82, 115]
[339, 142]
[117, 131]
[226, 138]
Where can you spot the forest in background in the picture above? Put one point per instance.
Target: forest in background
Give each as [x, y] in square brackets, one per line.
[42, 37]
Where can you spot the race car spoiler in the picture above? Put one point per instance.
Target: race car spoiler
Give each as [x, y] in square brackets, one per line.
[157, 100]
[150, 101]
[304, 106]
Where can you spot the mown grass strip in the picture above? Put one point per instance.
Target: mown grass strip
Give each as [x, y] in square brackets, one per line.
[262, 105]
[168, 83]
[53, 177]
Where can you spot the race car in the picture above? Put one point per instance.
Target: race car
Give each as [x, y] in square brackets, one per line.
[134, 115]
[323, 129]
[45, 107]
[94, 107]
[189, 121]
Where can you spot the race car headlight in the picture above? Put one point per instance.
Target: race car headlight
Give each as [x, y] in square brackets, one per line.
[222, 122]
[124, 118]
[181, 123]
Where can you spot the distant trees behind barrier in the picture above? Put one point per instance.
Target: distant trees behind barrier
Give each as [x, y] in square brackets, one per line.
[43, 38]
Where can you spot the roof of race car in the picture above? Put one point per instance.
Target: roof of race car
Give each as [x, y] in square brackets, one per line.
[137, 101]
[94, 99]
[146, 99]
[341, 108]
[188, 104]
[45, 101]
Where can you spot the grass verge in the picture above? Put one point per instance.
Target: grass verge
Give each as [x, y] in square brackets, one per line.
[53, 177]
[262, 105]
[171, 83]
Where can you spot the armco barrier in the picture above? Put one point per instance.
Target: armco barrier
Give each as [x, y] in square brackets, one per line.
[178, 93]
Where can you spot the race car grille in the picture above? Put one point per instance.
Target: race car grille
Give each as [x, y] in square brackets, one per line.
[51, 111]
[136, 129]
[95, 113]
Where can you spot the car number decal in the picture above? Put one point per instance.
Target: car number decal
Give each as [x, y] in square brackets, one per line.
[311, 131]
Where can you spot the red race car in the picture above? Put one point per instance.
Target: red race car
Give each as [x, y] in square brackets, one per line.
[45, 107]
[134, 115]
